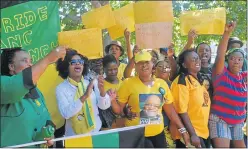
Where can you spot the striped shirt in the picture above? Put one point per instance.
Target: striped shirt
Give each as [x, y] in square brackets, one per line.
[230, 96]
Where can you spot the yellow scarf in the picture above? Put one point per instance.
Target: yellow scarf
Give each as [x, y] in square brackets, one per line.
[83, 121]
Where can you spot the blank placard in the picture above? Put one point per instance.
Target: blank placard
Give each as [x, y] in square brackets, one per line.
[87, 42]
[153, 35]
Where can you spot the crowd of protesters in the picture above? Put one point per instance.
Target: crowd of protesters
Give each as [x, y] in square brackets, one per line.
[203, 104]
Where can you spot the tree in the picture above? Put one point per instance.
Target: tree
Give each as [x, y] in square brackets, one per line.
[71, 11]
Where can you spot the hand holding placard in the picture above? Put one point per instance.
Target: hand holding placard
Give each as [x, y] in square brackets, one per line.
[124, 19]
[206, 21]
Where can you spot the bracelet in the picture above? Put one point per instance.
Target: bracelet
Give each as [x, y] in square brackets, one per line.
[182, 130]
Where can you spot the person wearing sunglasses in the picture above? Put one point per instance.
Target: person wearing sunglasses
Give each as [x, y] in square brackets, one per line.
[77, 101]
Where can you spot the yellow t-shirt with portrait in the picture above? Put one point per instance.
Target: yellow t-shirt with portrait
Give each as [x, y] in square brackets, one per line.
[136, 94]
[121, 70]
[192, 97]
[108, 85]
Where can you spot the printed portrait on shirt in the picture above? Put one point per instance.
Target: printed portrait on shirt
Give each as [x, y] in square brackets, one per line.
[150, 105]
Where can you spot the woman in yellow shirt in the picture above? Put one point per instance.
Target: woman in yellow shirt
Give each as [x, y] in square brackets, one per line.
[191, 99]
[147, 96]
[111, 84]
[117, 50]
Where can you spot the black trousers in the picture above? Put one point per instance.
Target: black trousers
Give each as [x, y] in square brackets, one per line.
[58, 134]
[157, 141]
[205, 143]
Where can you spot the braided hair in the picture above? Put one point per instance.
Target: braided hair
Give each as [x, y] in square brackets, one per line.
[184, 71]
[7, 56]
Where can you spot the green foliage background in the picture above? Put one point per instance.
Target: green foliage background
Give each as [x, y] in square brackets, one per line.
[70, 13]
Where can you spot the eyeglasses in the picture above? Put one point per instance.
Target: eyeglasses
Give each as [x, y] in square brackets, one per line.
[75, 61]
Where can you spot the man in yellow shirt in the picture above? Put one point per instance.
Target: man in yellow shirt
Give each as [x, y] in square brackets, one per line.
[136, 90]
[117, 50]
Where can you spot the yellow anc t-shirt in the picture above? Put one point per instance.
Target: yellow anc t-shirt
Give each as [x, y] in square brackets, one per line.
[121, 70]
[108, 86]
[137, 95]
[119, 121]
[192, 97]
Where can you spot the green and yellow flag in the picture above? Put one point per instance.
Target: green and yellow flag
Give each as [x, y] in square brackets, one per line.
[128, 137]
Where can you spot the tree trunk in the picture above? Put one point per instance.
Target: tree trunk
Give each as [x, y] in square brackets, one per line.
[106, 38]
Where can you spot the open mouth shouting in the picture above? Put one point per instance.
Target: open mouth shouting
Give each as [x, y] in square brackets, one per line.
[205, 57]
[78, 69]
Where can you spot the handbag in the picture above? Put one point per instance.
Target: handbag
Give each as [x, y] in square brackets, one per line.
[107, 117]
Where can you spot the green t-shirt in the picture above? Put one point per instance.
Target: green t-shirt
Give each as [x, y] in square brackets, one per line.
[23, 109]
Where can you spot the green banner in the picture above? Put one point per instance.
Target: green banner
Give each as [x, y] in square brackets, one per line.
[32, 25]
